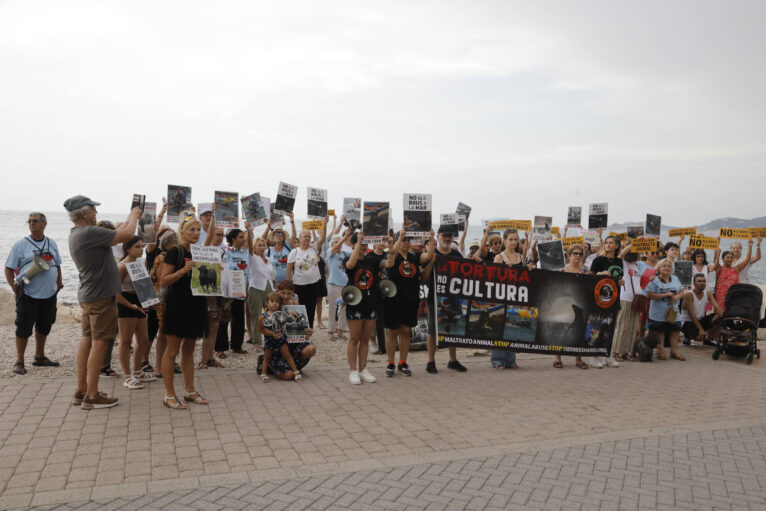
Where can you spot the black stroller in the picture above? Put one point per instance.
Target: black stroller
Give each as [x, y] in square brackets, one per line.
[739, 326]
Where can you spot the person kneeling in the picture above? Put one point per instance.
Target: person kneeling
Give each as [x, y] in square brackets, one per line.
[271, 324]
[697, 326]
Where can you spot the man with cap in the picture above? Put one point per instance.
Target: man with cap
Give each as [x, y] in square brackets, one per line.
[205, 216]
[35, 301]
[90, 247]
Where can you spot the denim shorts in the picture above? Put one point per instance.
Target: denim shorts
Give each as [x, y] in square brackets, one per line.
[664, 326]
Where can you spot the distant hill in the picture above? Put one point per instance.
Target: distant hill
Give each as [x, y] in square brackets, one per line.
[712, 225]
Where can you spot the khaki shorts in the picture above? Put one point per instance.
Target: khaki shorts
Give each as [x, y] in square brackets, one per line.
[99, 319]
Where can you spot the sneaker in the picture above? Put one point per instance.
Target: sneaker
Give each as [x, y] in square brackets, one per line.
[142, 376]
[77, 399]
[404, 369]
[597, 362]
[431, 368]
[132, 383]
[354, 378]
[456, 366]
[45, 361]
[611, 362]
[108, 372]
[710, 343]
[19, 368]
[390, 370]
[367, 376]
[100, 401]
[374, 347]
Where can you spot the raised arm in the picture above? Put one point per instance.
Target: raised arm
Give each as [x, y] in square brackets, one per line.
[127, 229]
[265, 234]
[461, 245]
[757, 256]
[210, 233]
[336, 226]
[293, 235]
[717, 257]
[323, 234]
[249, 230]
[626, 249]
[351, 263]
[483, 248]
[741, 266]
[431, 248]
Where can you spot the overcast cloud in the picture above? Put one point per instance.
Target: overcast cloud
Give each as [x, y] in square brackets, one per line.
[518, 109]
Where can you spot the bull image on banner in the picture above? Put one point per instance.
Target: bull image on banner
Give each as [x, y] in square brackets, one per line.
[493, 306]
[206, 272]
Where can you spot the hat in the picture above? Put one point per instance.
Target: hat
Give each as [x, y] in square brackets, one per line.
[446, 229]
[205, 208]
[277, 230]
[474, 243]
[79, 201]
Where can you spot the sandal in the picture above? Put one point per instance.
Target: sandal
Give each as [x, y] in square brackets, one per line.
[627, 358]
[513, 366]
[677, 356]
[173, 403]
[240, 352]
[661, 355]
[298, 376]
[500, 368]
[617, 357]
[214, 363]
[557, 364]
[202, 365]
[221, 354]
[582, 365]
[195, 397]
[265, 378]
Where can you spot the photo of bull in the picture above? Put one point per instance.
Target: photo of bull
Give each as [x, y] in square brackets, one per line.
[208, 279]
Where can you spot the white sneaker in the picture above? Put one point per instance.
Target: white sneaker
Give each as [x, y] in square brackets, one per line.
[597, 362]
[132, 383]
[367, 376]
[373, 347]
[354, 378]
[611, 362]
[142, 376]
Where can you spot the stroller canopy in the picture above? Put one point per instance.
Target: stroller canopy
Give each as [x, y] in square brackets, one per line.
[744, 301]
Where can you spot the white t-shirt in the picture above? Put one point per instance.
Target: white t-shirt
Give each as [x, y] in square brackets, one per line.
[306, 269]
[631, 272]
[260, 273]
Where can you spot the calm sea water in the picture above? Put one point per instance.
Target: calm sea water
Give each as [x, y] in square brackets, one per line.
[13, 227]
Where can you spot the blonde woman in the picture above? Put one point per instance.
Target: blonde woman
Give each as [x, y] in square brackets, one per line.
[185, 315]
[261, 284]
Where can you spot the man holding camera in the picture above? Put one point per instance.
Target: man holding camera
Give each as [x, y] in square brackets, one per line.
[36, 299]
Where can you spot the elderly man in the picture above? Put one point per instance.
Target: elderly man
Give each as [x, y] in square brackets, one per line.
[91, 250]
[35, 301]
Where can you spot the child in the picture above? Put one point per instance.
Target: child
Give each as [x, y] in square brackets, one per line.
[271, 325]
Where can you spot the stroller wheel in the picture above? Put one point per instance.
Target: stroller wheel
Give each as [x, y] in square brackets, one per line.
[716, 354]
[749, 358]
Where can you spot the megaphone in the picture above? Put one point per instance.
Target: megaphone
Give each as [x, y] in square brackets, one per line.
[351, 295]
[38, 265]
[387, 288]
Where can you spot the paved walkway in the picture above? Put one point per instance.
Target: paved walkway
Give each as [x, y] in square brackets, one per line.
[675, 434]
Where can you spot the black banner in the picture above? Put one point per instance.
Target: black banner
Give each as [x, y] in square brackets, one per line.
[493, 306]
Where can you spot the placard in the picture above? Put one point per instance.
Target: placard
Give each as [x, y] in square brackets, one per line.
[592, 238]
[449, 221]
[573, 240]
[286, 194]
[237, 284]
[685, 231]
[312, 225]
[142, 283]
[463, 211]
[352, 212]
[735, 234]
[542, 228]
[704, 242]
[417, 214]
[653, 225]
[253, 210]
[551, 255]
[179, 200]
[375, 224]
[317, 203]
[501, 225]
[330, 212]
[145, 227]
[492, 306]
[226, 209]
[138, 202]
[206, 271]
[758, 232]
[296, 323]
[621, 236]
[598, 215]
[683, 270]
[639, 245]
[574, 216]
[635, 231]
[555, 230]
[277, 219]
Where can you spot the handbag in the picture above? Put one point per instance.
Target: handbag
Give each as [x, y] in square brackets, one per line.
[670, 315]
[639, 301]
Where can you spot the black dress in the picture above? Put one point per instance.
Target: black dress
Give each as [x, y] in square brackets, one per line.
[185, 314]
[366, 276]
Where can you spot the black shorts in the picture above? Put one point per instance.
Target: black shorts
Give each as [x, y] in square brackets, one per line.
[366, 309]
[664, 326]
[127, 312]
[39, 313]
[690, 330]
[400, 314]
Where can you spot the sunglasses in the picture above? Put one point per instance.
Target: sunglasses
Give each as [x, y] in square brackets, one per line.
[35, 221]
[577, 253]
[497, 242]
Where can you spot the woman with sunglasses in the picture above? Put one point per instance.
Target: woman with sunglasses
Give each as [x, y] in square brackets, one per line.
[279, 248]
[512, 256]
[664, 293]
[575, 264]
[491, 245]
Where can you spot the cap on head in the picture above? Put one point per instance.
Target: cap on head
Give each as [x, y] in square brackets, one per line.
[79, 201]
[443, 229]
[205, 209]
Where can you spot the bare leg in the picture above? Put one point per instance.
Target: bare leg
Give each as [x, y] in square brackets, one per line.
[82, 364]
[452, 354]
[170, 352]
[187, 363]
[95, 359]
[431, 347]
[160, 350]
[318, 320]
[208, 343]
[354, 341]
[391, 344]
[368, 326]
[39, 345]
[21, 347]
[141, 352]
[127, 328]
[266, 361]
[285, 351]
[405, 334]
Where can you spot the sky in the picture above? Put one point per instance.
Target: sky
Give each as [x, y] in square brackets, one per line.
[515, 108]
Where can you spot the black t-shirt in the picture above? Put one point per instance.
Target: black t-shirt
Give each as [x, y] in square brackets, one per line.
[177, 256]
[151, 256]
[365, 274]
[406, 275]
[431, 282]
[603, 263]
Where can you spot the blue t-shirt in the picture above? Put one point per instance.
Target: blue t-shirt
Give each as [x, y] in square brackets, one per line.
[658, 308]
[337, 267]
[279, 261]
[43, 285]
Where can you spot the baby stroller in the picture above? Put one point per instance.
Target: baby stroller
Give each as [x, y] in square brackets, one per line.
[739, 326]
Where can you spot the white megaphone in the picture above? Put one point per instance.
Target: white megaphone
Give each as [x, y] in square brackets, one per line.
[351, 295]
[38, 265]
[387, 288]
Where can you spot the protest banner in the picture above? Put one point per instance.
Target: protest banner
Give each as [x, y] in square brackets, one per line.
[639, 245]
[226, 210]
[704, 242]
[145, 227]
[573, 240]
[352, 212]
[463, 211]
[598, 215]
[683, 270]
[317, 203]
[296, 323]
[551, 255]
[179, 200]
[758, 232]
[574, 216]
[285, 198]
[653, 225]
[417, 214]
[142, 283]
[492, 306]
[312, 225]
[736, 234]
[542, 228]
[237, 284]
[206, 271]
[621, 236]
[253, 210]
[635, 231]
[449, 222]
[375, 224]
[685, 231]
[501, 225]
[138, 202]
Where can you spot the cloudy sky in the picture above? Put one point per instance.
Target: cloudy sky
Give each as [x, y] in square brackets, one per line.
[518, 109]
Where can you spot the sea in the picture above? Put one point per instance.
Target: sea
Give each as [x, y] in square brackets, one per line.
[13, 227]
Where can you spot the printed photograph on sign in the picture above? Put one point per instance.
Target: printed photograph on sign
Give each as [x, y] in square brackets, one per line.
[352, 212]
[635, 231]
[297, 321]
[206, 271]
[226, 209]
[138, 201]
[417, 214]
[463, 211]
[376, 219]
[653, 225]
[542, 228]
[145, 228]
[285, 202]
[317, 203]
[520, 323]
[142, 283]
[599, 329]
[237, 284]
[277, 219]
[683, 270]
[252, 209]
[452, 315]
[486, 320]
[179, 200]
[449, 222]
[574, 216]
[551, 255]
[598, 215]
